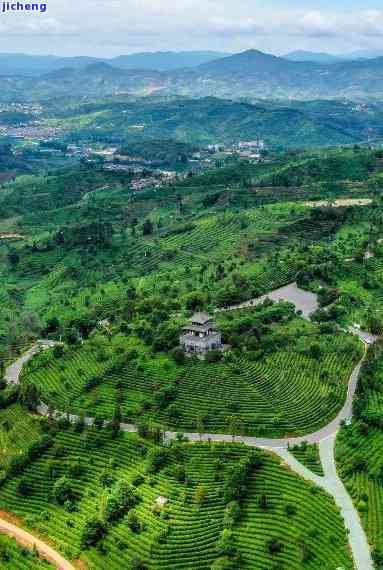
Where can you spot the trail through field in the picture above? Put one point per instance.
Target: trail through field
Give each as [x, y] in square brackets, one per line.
[325, 437]
[26, 539]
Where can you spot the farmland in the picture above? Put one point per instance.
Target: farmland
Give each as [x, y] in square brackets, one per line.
[112, 277]
[190, 528]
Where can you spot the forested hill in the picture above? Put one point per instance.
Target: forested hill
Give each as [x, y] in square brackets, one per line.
[212, 120]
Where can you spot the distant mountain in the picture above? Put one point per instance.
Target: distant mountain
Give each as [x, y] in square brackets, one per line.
[22, 64]
[251, 74]
[363, 54]
[317, 57]
[165, 61]
[34, 65]
[249, 61]
[254, 74]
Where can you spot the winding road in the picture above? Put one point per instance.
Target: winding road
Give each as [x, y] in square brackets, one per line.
[324, 437]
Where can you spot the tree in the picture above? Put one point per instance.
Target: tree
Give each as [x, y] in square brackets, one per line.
[133, 521]
[29, 396]
[52, 326]
[274, 545]
[116, 422]
[225, 543]
[147, 228]
[137, 564]
[58, 351]
[200, 494]
[94, 530]
[13, 258]
[121, 499]
[63, 490]
[232, 513]
[98, 422]
[80, 423]
[156, 459]
[224, 563]
[178, 355]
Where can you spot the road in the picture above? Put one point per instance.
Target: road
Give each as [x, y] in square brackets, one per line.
[26, 539]
[324, 437]
[303, 300]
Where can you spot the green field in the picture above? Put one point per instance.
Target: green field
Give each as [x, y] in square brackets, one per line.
[15, 557]
[274, 504]
[113, 276]
[260, 397]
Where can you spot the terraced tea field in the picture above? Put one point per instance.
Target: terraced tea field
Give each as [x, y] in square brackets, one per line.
[359, 450]
[18, 431]
[360, 463]
[308, 455]
[15, 557]
[187, 532]
[286, 392]
[286, 520]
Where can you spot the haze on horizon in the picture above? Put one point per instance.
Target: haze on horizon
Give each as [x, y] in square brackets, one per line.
[109, 28]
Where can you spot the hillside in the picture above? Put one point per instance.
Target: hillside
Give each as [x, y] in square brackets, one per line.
[100, 431]
[213, 120]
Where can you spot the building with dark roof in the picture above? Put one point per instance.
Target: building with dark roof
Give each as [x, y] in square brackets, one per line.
[200, 336]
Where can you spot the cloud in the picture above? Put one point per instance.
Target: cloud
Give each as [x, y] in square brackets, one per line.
[129, 25]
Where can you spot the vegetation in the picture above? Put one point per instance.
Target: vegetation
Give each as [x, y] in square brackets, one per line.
[359, 451]
[12, 556]
[308, 455]
[112, 275]
[219, 498]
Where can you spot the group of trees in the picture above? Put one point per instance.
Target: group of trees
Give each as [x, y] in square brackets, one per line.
[234, 490]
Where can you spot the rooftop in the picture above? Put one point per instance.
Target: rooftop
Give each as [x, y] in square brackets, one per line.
[200, 318]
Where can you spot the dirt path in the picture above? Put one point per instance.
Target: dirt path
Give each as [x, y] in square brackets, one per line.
[26, 539]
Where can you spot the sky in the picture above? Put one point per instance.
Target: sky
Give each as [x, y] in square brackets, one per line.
[112, 27]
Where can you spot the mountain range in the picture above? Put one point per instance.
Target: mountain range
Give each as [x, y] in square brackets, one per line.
[35, 65]
[322, 57]
[251, 74]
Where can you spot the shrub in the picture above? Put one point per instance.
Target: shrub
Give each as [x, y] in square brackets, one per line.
[225, 543]
[274, 545]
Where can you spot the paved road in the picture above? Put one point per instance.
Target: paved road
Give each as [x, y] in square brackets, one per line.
[325, 437]
[26, 539]
[303, 300]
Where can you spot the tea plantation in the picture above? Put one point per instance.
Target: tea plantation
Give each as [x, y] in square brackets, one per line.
[359, 451]
[266, 520]
[111, 276]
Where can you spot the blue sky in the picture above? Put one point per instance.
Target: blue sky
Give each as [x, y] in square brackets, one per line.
[112, 27]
